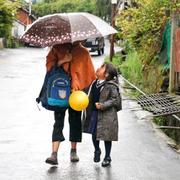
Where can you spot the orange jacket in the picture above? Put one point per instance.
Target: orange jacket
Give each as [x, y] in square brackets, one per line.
[81, 68]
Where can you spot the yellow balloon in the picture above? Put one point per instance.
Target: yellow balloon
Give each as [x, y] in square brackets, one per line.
[78, 100]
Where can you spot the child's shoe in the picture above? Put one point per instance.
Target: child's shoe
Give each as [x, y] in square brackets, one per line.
[53, 159]
[73, 156]
[106, 162]
[97, 155]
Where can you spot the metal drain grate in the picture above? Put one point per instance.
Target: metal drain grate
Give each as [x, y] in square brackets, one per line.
[160, 104]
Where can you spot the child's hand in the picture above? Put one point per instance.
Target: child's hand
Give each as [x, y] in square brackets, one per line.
[98, 105]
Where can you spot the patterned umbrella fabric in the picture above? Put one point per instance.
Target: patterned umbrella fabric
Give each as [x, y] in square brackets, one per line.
[66, 28]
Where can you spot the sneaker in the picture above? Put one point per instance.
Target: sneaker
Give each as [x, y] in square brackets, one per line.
[106, 162]
[52, 160]
[97, 155]
[73, 156]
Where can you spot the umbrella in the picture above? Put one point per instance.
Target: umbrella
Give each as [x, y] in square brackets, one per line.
[66, 28]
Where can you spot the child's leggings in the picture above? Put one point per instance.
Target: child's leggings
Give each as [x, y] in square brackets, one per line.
[107, 144]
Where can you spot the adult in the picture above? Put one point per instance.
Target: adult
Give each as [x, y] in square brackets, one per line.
[76, 60]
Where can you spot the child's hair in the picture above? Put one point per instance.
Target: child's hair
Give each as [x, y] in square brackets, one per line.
[111, 71]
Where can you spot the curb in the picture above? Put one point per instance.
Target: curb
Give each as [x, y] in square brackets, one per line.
[147, 117]
[169, 141]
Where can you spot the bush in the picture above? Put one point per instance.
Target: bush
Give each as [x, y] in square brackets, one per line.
[12, 43]
[147, 78]
[117, 61]
[141, 29]
[7, 11]
[132, 69]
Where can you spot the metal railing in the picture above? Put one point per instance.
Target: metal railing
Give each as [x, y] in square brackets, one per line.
[158, 104]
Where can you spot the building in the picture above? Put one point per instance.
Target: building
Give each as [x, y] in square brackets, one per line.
[23, 19]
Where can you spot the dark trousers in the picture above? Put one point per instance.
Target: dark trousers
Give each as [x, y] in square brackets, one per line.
[75, 134]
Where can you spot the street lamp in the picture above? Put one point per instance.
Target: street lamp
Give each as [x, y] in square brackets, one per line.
[113, 13]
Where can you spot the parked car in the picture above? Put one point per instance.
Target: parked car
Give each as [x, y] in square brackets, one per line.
[95, 44]
[31, 45]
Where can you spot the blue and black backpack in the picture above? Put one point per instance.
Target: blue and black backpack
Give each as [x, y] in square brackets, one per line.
[55, 91]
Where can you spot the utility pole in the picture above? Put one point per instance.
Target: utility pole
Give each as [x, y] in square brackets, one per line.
[172, 75]
[30, 4]
[113, 14]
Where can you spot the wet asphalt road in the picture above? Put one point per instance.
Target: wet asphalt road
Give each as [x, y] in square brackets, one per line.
[25, 133]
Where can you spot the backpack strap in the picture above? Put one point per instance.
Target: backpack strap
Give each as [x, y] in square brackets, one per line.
[45, 82]
[43, 86]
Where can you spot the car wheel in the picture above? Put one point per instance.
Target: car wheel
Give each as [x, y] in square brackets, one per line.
[99, 52]
[102, 50]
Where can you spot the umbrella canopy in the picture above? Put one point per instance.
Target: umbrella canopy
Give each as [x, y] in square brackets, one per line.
[66, 28]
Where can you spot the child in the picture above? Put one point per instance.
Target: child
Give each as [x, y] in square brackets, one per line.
[101, 115]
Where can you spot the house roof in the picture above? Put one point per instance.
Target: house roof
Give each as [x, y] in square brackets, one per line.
[26, 11]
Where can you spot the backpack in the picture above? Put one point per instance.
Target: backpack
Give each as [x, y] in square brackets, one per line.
[119, 99]
[55, 92]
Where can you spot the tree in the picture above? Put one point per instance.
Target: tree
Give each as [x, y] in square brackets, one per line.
[142, 25]
[61, 6]
[141, 28]
[7, 14]
[103, 9]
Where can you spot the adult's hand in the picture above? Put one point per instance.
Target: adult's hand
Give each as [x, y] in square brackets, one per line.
[67, 58]
[38, 100]
[75, 89]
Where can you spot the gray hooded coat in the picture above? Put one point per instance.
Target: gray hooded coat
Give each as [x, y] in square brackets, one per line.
[107, 122]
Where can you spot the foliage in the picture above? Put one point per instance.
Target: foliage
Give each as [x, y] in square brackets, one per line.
[169, 121]
[116, 60]
[148, 79]
[159, 121]
[132, 68]
[103, 9]
[141, 28]
[61, 6]
[7, 11]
